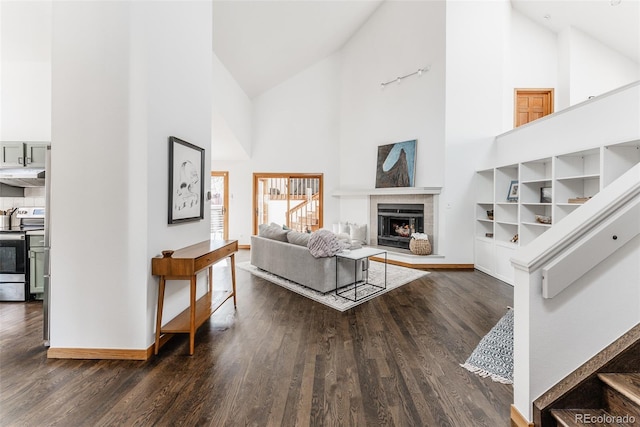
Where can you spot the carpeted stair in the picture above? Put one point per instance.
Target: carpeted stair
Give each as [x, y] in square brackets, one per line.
[621, 404]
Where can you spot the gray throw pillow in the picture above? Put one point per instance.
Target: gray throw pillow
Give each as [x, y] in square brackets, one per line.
[298, 238]
[273, 232]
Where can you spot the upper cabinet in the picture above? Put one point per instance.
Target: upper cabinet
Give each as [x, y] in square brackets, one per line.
[23, 154]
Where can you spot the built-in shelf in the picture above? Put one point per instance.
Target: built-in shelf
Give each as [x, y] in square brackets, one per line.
[556, 180]
[386, 191]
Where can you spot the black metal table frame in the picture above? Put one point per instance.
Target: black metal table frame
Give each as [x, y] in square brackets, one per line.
[364, 282]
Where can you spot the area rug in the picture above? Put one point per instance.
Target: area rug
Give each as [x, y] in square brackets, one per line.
[396, 277]
[493, 357]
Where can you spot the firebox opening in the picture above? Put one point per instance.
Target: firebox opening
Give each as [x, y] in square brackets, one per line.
[397, 222]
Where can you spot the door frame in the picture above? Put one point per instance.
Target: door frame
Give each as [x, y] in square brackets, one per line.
[225, 202]
[518, 91]
[257, 176]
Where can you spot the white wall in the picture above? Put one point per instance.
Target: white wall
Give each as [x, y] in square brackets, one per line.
[553, 337]
[25, 71]
[595, 68]
[477, 44]
[232, 116]
[607, 119]
[295, 129]
[399, 38]
[533, 58]
[119, 90]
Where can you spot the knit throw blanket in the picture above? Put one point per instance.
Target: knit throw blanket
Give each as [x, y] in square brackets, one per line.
[323, 243]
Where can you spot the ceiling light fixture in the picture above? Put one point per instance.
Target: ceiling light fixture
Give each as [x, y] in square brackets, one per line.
[615, 2]
[399, 79]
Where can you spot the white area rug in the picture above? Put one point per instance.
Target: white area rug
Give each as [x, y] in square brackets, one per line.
[396, 277]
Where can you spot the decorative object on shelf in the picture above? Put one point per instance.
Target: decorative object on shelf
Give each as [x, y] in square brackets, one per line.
[545, 195]
[489, 235]
[396, 165]
[579, 200]
[514, 239]
[167, 253]
[490, 214]
[420, 244]
[543, 219]
[512, 196]
[186, 186]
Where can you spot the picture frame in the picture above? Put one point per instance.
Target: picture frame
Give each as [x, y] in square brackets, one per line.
[545, 195]
[396, 165]
[512, 195]
[186, 183]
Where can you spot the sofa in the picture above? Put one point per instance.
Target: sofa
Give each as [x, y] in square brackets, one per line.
[294, 262]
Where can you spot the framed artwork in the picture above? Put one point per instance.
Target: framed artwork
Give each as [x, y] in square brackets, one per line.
[396, 165]
[186, 184]
[545, 195]
[512, 196]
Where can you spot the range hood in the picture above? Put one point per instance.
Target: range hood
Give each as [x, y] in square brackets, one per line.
[22, 177]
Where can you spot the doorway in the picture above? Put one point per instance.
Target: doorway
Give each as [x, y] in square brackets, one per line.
[293, 200]
[220, 205]
[531, 104]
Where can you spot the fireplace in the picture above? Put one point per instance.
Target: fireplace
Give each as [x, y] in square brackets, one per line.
[397, 221]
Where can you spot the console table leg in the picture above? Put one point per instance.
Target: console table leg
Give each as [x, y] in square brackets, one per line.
[192, 326]
[233, 277]
[159, 313]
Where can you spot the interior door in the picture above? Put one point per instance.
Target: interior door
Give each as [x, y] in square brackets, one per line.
[219, 205]
[531, 104]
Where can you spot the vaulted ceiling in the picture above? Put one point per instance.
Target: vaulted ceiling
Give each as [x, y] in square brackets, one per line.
[263, 43]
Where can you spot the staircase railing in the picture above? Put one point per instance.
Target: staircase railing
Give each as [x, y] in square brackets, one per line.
[304, 217]
[577, 288]
[595, 231]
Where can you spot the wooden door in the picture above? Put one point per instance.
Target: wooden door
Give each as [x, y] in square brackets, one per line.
[219, 205]
[531, 104]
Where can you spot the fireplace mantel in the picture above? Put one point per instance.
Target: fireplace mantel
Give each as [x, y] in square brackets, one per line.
[386, 191]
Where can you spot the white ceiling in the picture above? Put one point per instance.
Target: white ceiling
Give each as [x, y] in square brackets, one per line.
[264, 42]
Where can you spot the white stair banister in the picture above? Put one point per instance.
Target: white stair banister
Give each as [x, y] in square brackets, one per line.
[594, 247]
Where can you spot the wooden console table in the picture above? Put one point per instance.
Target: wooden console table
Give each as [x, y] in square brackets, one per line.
[185, 264]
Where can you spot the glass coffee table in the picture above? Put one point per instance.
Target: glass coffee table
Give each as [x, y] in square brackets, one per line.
[367, 288]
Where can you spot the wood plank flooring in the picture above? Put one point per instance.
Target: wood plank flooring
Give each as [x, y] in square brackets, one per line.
[278, 360]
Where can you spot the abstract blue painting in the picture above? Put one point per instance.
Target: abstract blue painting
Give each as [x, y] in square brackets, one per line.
[396, 165]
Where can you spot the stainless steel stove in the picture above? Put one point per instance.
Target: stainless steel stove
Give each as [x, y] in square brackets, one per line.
[15, 254]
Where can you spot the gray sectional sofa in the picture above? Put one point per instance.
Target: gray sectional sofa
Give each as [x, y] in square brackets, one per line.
[295, 262]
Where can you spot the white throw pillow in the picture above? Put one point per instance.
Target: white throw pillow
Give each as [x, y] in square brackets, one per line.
[358, 233]
[343, 227]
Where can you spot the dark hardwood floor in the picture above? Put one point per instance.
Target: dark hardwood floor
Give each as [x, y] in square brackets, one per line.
[278, 360]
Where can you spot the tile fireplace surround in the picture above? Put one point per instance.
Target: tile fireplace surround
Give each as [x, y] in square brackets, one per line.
[425, 199]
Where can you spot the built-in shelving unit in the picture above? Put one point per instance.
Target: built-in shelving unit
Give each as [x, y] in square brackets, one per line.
[549, 190]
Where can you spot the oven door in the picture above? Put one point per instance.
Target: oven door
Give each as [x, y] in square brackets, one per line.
[13, 254]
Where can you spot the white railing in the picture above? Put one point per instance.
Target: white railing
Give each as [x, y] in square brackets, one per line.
[577, 289]
[594, 232]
